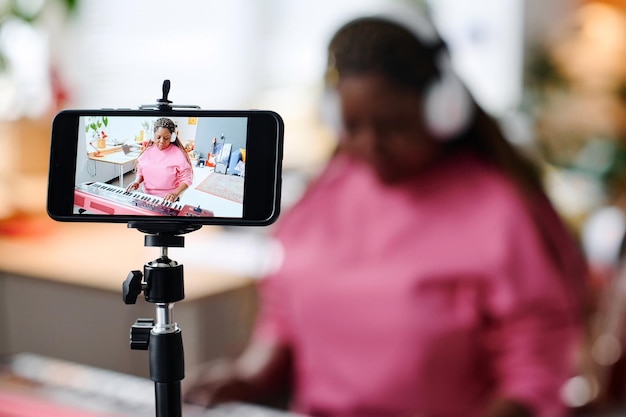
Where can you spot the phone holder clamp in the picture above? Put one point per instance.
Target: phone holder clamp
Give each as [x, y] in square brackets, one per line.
[164, 104]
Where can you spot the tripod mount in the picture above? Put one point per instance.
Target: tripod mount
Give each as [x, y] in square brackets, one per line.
[162, 284]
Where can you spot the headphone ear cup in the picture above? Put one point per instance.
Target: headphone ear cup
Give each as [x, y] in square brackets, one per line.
[173, 139]
[448, 107]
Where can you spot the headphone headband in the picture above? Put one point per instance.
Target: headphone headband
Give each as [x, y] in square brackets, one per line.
[448, 106]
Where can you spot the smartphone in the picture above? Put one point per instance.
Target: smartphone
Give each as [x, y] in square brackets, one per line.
[120, 165]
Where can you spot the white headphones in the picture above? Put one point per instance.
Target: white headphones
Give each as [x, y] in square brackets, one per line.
[448, 107]
[173, 138]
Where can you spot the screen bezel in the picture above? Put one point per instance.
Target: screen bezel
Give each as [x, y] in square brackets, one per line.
[262, 186]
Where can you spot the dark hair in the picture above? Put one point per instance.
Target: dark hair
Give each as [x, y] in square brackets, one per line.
[374, 45]
[166, 123]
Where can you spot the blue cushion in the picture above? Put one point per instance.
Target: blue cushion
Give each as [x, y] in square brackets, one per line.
[235, 156]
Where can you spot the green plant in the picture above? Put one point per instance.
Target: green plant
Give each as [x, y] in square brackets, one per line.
[96, 124]
[145, 125]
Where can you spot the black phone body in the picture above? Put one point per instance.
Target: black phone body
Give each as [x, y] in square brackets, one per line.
[235, 159]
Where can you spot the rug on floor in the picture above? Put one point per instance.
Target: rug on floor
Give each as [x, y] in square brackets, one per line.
[225, 186]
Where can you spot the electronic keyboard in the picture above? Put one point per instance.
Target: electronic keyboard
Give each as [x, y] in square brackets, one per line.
[102, 198]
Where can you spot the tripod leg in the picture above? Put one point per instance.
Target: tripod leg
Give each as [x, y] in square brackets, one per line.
[167, 370]
[168, 401]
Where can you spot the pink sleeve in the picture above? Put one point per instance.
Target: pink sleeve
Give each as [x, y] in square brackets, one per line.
[537, 325]
[139, 167]
[271, 322]
[184, 173]
[143, 160]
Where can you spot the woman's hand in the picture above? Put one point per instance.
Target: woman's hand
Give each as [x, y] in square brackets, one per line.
[260, 375]
[217, 382]
[132, 186]
[171, 197]
[502, 407]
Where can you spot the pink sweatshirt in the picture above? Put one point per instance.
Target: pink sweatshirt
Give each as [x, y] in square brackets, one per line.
[163, 171]
[427, 299]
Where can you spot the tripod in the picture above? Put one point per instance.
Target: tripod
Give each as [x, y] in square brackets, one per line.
[162, 284]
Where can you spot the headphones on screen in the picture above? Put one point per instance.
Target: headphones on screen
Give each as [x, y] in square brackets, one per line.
[448, 106]
[168, 124]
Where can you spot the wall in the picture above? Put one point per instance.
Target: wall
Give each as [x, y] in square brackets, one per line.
[234, 130]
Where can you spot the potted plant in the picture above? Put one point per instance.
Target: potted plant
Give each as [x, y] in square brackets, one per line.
[96, 126]
[144, 131]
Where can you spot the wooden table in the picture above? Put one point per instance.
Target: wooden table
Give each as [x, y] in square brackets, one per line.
[61, 296]
[114, 156]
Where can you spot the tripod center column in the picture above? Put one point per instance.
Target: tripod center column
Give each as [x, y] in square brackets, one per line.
[165, 319]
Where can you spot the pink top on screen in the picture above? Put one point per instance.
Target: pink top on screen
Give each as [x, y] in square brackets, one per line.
[426, 299]
[163, 171]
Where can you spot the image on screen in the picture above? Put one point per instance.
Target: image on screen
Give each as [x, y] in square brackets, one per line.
[207, 154]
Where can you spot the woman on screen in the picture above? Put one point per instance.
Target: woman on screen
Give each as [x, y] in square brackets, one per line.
[163, 168]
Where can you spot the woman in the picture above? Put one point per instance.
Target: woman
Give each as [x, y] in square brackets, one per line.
[425, 272]
[164, 167]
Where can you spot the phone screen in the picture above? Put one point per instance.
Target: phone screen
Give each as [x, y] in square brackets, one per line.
[208, 167]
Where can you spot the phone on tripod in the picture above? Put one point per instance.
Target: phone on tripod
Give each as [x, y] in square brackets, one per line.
[191, 166]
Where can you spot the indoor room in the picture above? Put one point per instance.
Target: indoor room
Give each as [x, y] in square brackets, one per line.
[109, 156]
[447, 230]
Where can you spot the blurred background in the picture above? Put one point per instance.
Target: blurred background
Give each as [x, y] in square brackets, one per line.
[552, 73]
